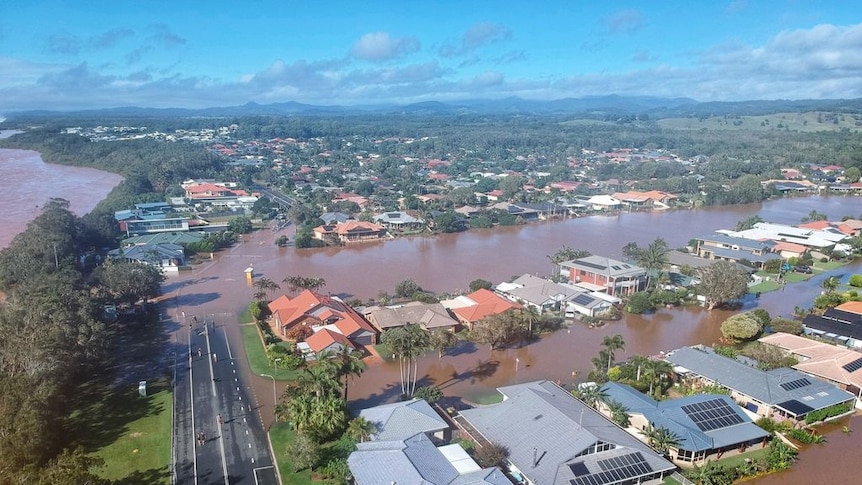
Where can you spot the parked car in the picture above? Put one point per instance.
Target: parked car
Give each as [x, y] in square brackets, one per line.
[802, 269]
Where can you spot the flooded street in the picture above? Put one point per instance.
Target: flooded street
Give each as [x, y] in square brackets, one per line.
[447, 263]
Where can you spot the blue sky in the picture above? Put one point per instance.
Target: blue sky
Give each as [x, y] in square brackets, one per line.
[191, 53]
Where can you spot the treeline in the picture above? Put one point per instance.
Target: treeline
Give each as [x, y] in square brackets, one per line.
[53, 341]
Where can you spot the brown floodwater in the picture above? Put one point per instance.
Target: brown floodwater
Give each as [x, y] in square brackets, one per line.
[29, 182]
[447, 263]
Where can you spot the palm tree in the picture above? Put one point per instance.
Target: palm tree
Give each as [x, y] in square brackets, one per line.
[408, 343]
[611, 344]
[661, 439]
[348, 363]
[591, 394]
[829, 284]
[619, 413]
[709, 474]
[657, 373]
[529, 315]
[265, 286]
[360, 429]
[654, 257]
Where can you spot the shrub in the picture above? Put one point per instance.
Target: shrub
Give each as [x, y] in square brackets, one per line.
[786, 325]
[806, 436]
[491, 455]
[639, 303]
[826, 413]
[431, 394]
[742, 326]
[856, 281]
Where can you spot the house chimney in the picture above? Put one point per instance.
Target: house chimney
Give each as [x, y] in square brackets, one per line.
[535, 457]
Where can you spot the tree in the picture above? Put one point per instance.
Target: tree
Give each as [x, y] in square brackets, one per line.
[780, 456]
[786, 325]
[304, 451]
[529, 317]
[768, 356]
[640, 303]
[497, 329]
[348, 363]
[360, 429]
[449, 222]
[479, 284]
[654, 257]
[240, 225]
[266, 286]
[619, 413]
[658, 373]
[742, 326]
[830, 283]
[591, 394]
[661, 439]
[406, 288]
[721, 282]
[442, 340]
[612, 344]
[748, 223]
[709, 474]
[296, 283]
[852, 174]
[856, 281]
[407, 343]
[129, 282]
[491, 455]
[431, 394]
[564, 254]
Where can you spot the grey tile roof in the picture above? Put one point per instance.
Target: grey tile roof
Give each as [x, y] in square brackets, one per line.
[669, 414]
[737, 254]
[743, 243]
[605, 266]
[488, 476]
[540, 291]
[414, 460]
[428, 315]
[778, 387]
[542, 420]
[403, 419]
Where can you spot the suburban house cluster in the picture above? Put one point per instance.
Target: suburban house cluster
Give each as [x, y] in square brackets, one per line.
[551, 438]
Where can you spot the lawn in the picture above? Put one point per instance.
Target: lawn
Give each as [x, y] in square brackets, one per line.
[384, 352]
[141, 453]
[764, 287]
[257, 359]
[281, 436]
[737, 460]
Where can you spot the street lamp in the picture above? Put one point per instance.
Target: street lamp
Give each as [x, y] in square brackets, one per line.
[274, 394]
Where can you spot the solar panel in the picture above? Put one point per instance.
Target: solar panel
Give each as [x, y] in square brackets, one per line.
[795, 384]
[615, 469]
[853, 366]
[583, 299]
[795, 407]
[590, 265]
[712, 414]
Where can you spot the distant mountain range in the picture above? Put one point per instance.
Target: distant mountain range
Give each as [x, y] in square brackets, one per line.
[588, 107]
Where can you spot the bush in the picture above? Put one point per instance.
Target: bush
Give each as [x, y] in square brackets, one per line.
[826, 413]
[431, 394]
[407, 288]
[743, 326]
[786, 325]
[491, 455]
[639, 303]
[856, 281]
[806, 436]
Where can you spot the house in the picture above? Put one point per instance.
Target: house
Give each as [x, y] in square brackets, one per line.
[603, 203]
[789, 250]
[721, 246]
[349, 232]
[519, 210]
[403, 449]
[214, 193]
[842, 324]
[167, 256]
[634, 200]
[811, 238]
[398, 221]
[416, 460]
[781, 393]
[708, 425]
[555, 439]
[332, 218]
[429, 316]
[315, 311]
[178, 238]
[324, 340]
[471, 308]
[545, 295]
[838, 365]
[616, 278]
[404, 419]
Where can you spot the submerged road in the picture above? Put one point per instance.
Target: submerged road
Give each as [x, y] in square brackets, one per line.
[218, 436]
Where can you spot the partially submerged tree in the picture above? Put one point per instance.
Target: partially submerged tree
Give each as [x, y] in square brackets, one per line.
[408, 343]
[721, 282]
[742, 326]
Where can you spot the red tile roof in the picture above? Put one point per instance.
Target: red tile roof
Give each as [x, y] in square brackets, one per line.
[321, 308]
[487, 303]
[323, 338]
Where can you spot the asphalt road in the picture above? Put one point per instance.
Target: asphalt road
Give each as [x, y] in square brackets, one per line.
[212, 399]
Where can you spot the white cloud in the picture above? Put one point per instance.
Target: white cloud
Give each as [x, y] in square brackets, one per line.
[478, 35]
[380, 46]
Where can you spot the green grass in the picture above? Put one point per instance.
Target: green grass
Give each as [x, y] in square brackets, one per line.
[384, 352]
[801, 122]
[737, 460]
[142, 452]
[829, 265]
[257, 359]
[764, 287]
[281, 435]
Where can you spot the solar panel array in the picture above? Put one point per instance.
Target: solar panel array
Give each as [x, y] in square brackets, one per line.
[795, 384]
[583, 299]
[591, 265]
[614, 470]
[853, 366]
[712, 414]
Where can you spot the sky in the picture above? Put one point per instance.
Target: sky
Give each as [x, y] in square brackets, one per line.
[68, 55]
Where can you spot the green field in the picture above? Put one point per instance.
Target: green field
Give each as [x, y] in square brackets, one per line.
[800, 122]
[141, 453]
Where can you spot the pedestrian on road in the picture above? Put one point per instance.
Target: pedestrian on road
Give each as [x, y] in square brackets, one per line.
[215, 358]
[220, 420]
[200, 353]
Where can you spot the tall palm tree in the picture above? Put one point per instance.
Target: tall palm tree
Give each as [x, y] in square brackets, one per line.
[591, 395]
[654, 257]
[612, 344]
[657, 373]
[348, 363]
[441, 340]
[265, 286]
[529, 316]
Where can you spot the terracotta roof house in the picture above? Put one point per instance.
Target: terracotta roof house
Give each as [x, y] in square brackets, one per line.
[789, 250]
[475, 306]
[316, 311]
[322, 341]
[839, 365]
[634, 199]
[609, 275]
[348, 232]
[778, 393]
[429, 316]
[555, 439]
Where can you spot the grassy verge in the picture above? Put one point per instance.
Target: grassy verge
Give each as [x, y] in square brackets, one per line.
[257, 359]
[142, 452]
[281, 436]
[737, 460]
[764, 287]
[384, 352]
